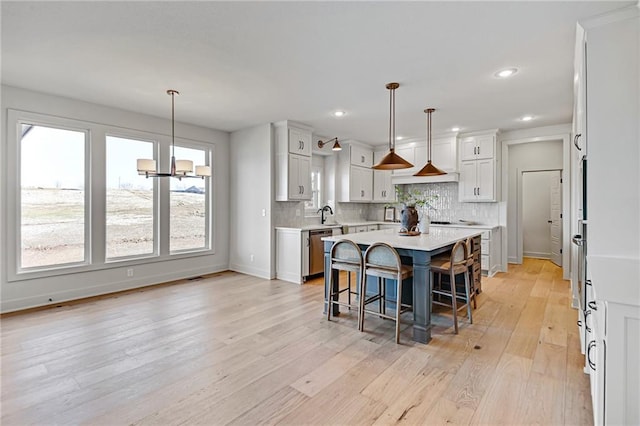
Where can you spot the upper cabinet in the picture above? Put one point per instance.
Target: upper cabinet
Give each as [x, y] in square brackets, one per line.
[477, 147]
[444, 155]
[293, 161]
[383, 188]
[478, 168]
[299, 141]
[354, 179]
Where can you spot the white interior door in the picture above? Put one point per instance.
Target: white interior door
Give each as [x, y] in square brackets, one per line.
[555, 217]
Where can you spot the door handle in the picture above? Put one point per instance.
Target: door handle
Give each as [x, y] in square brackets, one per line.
[549, 221]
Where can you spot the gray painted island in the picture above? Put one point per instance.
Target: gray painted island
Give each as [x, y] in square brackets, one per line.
[414, 250]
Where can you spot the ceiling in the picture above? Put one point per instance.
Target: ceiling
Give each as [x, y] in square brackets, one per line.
[239, 64]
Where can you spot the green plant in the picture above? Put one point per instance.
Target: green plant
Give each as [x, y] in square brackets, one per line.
[415, 197]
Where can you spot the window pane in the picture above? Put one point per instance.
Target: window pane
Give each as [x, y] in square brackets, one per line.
[52, 196]
[188, 227]
[129, 199]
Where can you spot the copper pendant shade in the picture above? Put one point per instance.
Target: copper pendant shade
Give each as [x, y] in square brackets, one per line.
[392, 161]
[429, 169]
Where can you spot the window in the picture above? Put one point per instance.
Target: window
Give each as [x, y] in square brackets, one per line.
[52, 196]
[129, 200]
[189, 224]
[311, 207]
[78, 203]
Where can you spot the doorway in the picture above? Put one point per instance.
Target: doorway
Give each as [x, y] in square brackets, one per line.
[540, 215]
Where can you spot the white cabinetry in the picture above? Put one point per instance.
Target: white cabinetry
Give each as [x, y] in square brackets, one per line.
[478, 168]
[292, 254]
[354, 181]
[293, 161]
[383, 189]
[444, 151]
[490, 251]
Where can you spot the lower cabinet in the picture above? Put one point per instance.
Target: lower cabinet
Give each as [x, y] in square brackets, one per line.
[292, 255]
[612, 357]
[490, 259]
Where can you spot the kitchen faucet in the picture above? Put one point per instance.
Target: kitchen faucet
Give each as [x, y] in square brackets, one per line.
[321, 211]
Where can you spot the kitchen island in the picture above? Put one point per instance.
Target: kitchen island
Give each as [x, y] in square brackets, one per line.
[414, 250]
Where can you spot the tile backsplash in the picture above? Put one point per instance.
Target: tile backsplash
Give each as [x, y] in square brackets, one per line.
[447, 208]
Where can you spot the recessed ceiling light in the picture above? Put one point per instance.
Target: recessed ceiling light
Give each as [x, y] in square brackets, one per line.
[339, 113]
[455, 129]
[508, 72]
[527, 118]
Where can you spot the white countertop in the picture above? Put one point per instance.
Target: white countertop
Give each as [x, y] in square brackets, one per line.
[435, 239]
[378, 222]
[310, 227]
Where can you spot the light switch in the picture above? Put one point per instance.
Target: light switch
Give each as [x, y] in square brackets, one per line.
[264, 212]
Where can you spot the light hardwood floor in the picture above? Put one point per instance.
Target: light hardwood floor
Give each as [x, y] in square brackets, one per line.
[233, 349]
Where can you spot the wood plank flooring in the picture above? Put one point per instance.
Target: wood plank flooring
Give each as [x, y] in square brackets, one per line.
[233, 349]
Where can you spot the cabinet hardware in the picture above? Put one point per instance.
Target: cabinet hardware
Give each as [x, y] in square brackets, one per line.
[592, 305]
[592, 344]
[586, 327]
[549, 221]
[478, 150]
[579, 323]
[362, 193]
[587, 282]
[362, 158]
[575, 141]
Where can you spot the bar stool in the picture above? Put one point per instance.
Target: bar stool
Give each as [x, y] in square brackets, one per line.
[383, 261]
[453, 264]
[345, 256]
[470, 263]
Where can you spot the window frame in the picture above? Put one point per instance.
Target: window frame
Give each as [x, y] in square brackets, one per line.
[15, 121]
[119, 133]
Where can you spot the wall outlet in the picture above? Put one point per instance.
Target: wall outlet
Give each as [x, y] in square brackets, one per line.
[129, 272]
[251, 257]
[264, 212]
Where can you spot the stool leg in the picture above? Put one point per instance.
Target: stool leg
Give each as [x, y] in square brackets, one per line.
[454, 304]
[468, 294]
[363, 292]
[398, 307]
[330, 295]
[349, 289]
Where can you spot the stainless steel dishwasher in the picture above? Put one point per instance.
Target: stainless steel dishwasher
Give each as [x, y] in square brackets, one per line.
[316, 250]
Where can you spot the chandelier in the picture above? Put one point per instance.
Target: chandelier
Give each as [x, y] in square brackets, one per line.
[179, 168]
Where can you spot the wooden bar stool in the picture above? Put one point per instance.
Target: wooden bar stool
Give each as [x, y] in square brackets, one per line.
[470, 265]
[383, 261]
[345, 256]
[453, 264]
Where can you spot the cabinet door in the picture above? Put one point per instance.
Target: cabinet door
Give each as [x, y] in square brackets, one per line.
[467, 149]
[467, 183]
[383, 189]
[361, 184]
[485, 180]
[299, 177]
[443, 154]
[299, 142]
[484, 146]
[361, 156]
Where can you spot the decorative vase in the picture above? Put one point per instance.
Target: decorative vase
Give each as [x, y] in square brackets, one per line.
[408, 218]
[424, 223]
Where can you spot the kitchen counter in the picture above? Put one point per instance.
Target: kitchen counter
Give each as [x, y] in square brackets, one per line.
[311, 227]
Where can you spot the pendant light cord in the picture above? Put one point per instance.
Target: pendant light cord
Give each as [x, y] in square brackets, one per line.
[392, 121]
[429, 136]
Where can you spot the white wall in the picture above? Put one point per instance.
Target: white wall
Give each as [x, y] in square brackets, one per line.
[536, 206]
[112, 277]
[252, 243]
[545, 155]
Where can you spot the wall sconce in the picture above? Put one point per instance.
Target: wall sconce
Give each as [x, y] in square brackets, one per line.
[336, 145]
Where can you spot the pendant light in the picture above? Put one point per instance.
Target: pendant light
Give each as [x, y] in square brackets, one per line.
[180, 168]
[392, 161]
[336, 144]
[429, 169]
